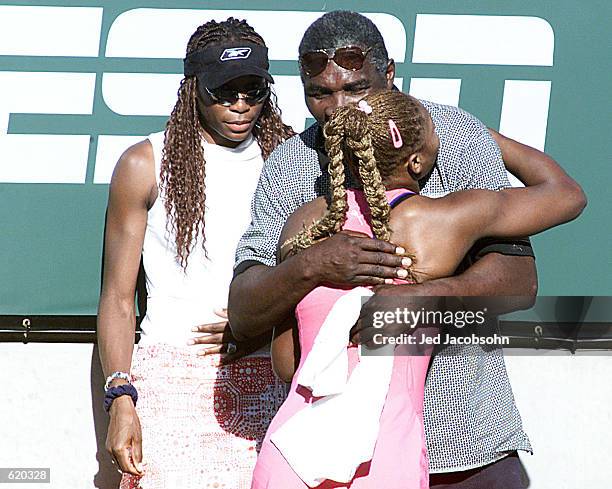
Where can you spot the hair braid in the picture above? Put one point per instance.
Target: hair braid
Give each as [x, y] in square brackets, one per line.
[270, 131]
[366, 138]
[182, 175]
[373, 187]
[332, 221]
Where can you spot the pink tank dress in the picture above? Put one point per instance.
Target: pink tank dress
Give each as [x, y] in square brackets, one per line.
[400, 457]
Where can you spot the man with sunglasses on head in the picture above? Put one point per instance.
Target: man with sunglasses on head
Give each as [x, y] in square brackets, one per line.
[473, 426]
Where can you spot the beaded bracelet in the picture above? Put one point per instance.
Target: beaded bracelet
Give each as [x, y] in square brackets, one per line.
[116, 375]
[118, 391]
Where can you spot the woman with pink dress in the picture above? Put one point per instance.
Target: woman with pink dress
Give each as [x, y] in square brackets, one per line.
[388, 141]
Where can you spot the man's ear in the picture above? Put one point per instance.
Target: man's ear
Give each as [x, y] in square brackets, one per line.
[390, 74]
[414, 165]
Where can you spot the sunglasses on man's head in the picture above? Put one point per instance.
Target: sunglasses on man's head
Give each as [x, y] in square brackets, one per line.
[228, 96]
[348, 57]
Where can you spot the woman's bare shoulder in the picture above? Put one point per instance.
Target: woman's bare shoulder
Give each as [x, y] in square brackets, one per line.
[421, 209]
[412, 209]
[135, 171]
[305, 215]
[301, 218]
[137, 160]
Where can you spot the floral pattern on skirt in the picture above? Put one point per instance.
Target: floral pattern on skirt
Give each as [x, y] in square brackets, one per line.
[202, 423]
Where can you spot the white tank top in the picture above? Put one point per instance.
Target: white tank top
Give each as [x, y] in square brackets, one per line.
[177, 299]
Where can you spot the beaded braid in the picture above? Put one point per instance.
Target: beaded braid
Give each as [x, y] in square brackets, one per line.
[183, 168]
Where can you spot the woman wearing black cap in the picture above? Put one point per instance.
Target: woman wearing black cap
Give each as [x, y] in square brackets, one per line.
[180, 199]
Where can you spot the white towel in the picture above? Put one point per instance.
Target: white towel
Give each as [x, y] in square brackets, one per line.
[331, 437]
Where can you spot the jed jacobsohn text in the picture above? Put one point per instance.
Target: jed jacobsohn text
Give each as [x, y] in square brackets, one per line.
[446, 339]
[422, 317]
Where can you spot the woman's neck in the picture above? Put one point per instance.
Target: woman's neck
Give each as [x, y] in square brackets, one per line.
[393, 182]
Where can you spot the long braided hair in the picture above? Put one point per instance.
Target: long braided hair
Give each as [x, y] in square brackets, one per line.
[183, 165]
[366, 140]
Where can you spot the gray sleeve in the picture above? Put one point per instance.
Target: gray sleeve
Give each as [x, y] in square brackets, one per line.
[480, 163]
[269, 211]
[481, 166]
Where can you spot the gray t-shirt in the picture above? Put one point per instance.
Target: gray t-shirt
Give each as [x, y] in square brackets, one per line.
[470, 415]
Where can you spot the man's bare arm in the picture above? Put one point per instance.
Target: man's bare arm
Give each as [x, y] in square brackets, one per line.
[263, 297]
[493, 274]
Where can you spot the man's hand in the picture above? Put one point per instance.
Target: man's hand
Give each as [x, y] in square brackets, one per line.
[124, 438]
[262, 297]
[350, 258]
[219, 339]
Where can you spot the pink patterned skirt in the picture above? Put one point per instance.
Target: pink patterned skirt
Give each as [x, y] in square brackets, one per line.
[202, 424]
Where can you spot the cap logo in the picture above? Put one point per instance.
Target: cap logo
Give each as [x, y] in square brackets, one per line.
[235, 53]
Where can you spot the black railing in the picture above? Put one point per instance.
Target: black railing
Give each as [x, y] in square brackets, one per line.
[50, 329]
[521, 334]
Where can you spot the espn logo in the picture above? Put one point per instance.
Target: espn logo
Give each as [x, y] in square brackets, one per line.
[62, 153]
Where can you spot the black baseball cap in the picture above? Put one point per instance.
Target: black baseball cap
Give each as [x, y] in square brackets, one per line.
[217, 64]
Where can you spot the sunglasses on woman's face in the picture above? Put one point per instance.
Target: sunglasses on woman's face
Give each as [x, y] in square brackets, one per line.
[348, 57]
[228, 96]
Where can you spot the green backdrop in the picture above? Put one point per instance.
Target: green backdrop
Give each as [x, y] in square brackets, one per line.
[51, 234]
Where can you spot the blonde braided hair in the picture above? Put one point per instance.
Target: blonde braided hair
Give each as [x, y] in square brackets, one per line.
[366, 139]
